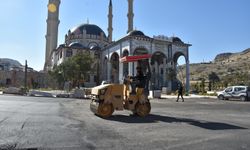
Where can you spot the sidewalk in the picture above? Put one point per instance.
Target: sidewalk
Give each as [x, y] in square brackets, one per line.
[190, 96]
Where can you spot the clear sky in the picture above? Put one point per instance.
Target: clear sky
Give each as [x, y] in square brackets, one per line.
[211, 26]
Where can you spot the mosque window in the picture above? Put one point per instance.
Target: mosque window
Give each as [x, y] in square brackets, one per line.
[69, 53]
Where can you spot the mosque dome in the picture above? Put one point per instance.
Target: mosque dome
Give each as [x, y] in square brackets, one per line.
[176, 39]
[89, 29]
[136, 33]
[10, 62]
[7, 64]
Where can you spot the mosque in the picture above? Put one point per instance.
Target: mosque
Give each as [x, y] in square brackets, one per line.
[91, 38]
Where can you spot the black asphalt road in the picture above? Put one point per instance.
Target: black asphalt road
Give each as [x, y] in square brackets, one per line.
[53, 123]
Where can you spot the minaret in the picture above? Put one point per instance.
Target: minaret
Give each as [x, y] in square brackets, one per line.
[110, 17]
[130, 15]
[52, 31]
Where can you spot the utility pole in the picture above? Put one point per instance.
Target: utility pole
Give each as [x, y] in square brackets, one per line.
[25, 76]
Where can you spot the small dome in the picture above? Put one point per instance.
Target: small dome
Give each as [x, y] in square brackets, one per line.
[76, 45]
[136, 33]
[89, 29]
[176, 39]
[95, 48]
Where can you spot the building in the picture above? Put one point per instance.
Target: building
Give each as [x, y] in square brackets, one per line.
[12, 74]
[90, 38]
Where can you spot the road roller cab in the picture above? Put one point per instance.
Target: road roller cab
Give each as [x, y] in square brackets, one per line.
[131, 95]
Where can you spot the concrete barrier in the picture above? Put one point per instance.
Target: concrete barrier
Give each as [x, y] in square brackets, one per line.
[155, 94]
[40, 94]
[164, 90]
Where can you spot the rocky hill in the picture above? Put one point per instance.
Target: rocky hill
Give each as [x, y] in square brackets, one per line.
[222, 56]
[228, 66]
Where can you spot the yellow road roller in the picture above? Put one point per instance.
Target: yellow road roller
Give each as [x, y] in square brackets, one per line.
[131, 95]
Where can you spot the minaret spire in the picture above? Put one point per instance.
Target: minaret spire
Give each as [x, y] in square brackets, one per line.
[52, 31]
[130, 15]
[110, 21]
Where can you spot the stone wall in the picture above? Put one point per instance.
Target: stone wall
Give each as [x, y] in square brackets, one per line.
[16, 79]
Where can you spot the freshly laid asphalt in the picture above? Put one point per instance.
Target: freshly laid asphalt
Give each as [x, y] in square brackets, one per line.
[200, 123]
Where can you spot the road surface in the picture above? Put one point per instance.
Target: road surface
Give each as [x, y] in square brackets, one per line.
[58, 123]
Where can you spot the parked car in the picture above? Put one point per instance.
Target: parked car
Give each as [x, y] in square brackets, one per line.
[105, 82]
[234, 92]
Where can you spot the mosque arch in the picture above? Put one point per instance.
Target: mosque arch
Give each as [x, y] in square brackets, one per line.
[177, 55]
[114, 60]
[158, 57]
[125, 52]
[181, 72]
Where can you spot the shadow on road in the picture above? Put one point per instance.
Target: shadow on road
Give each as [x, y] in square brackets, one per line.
[153, 118]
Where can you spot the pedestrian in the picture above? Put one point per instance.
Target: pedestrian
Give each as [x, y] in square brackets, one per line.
[180, 92]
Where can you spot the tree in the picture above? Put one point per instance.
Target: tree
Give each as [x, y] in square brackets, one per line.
[74, 69]
[57, 75]
[213, 78]
[202, 85]
[171, 75]
[83, 66]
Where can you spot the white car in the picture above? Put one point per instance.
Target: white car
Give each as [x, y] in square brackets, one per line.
[234, 92]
